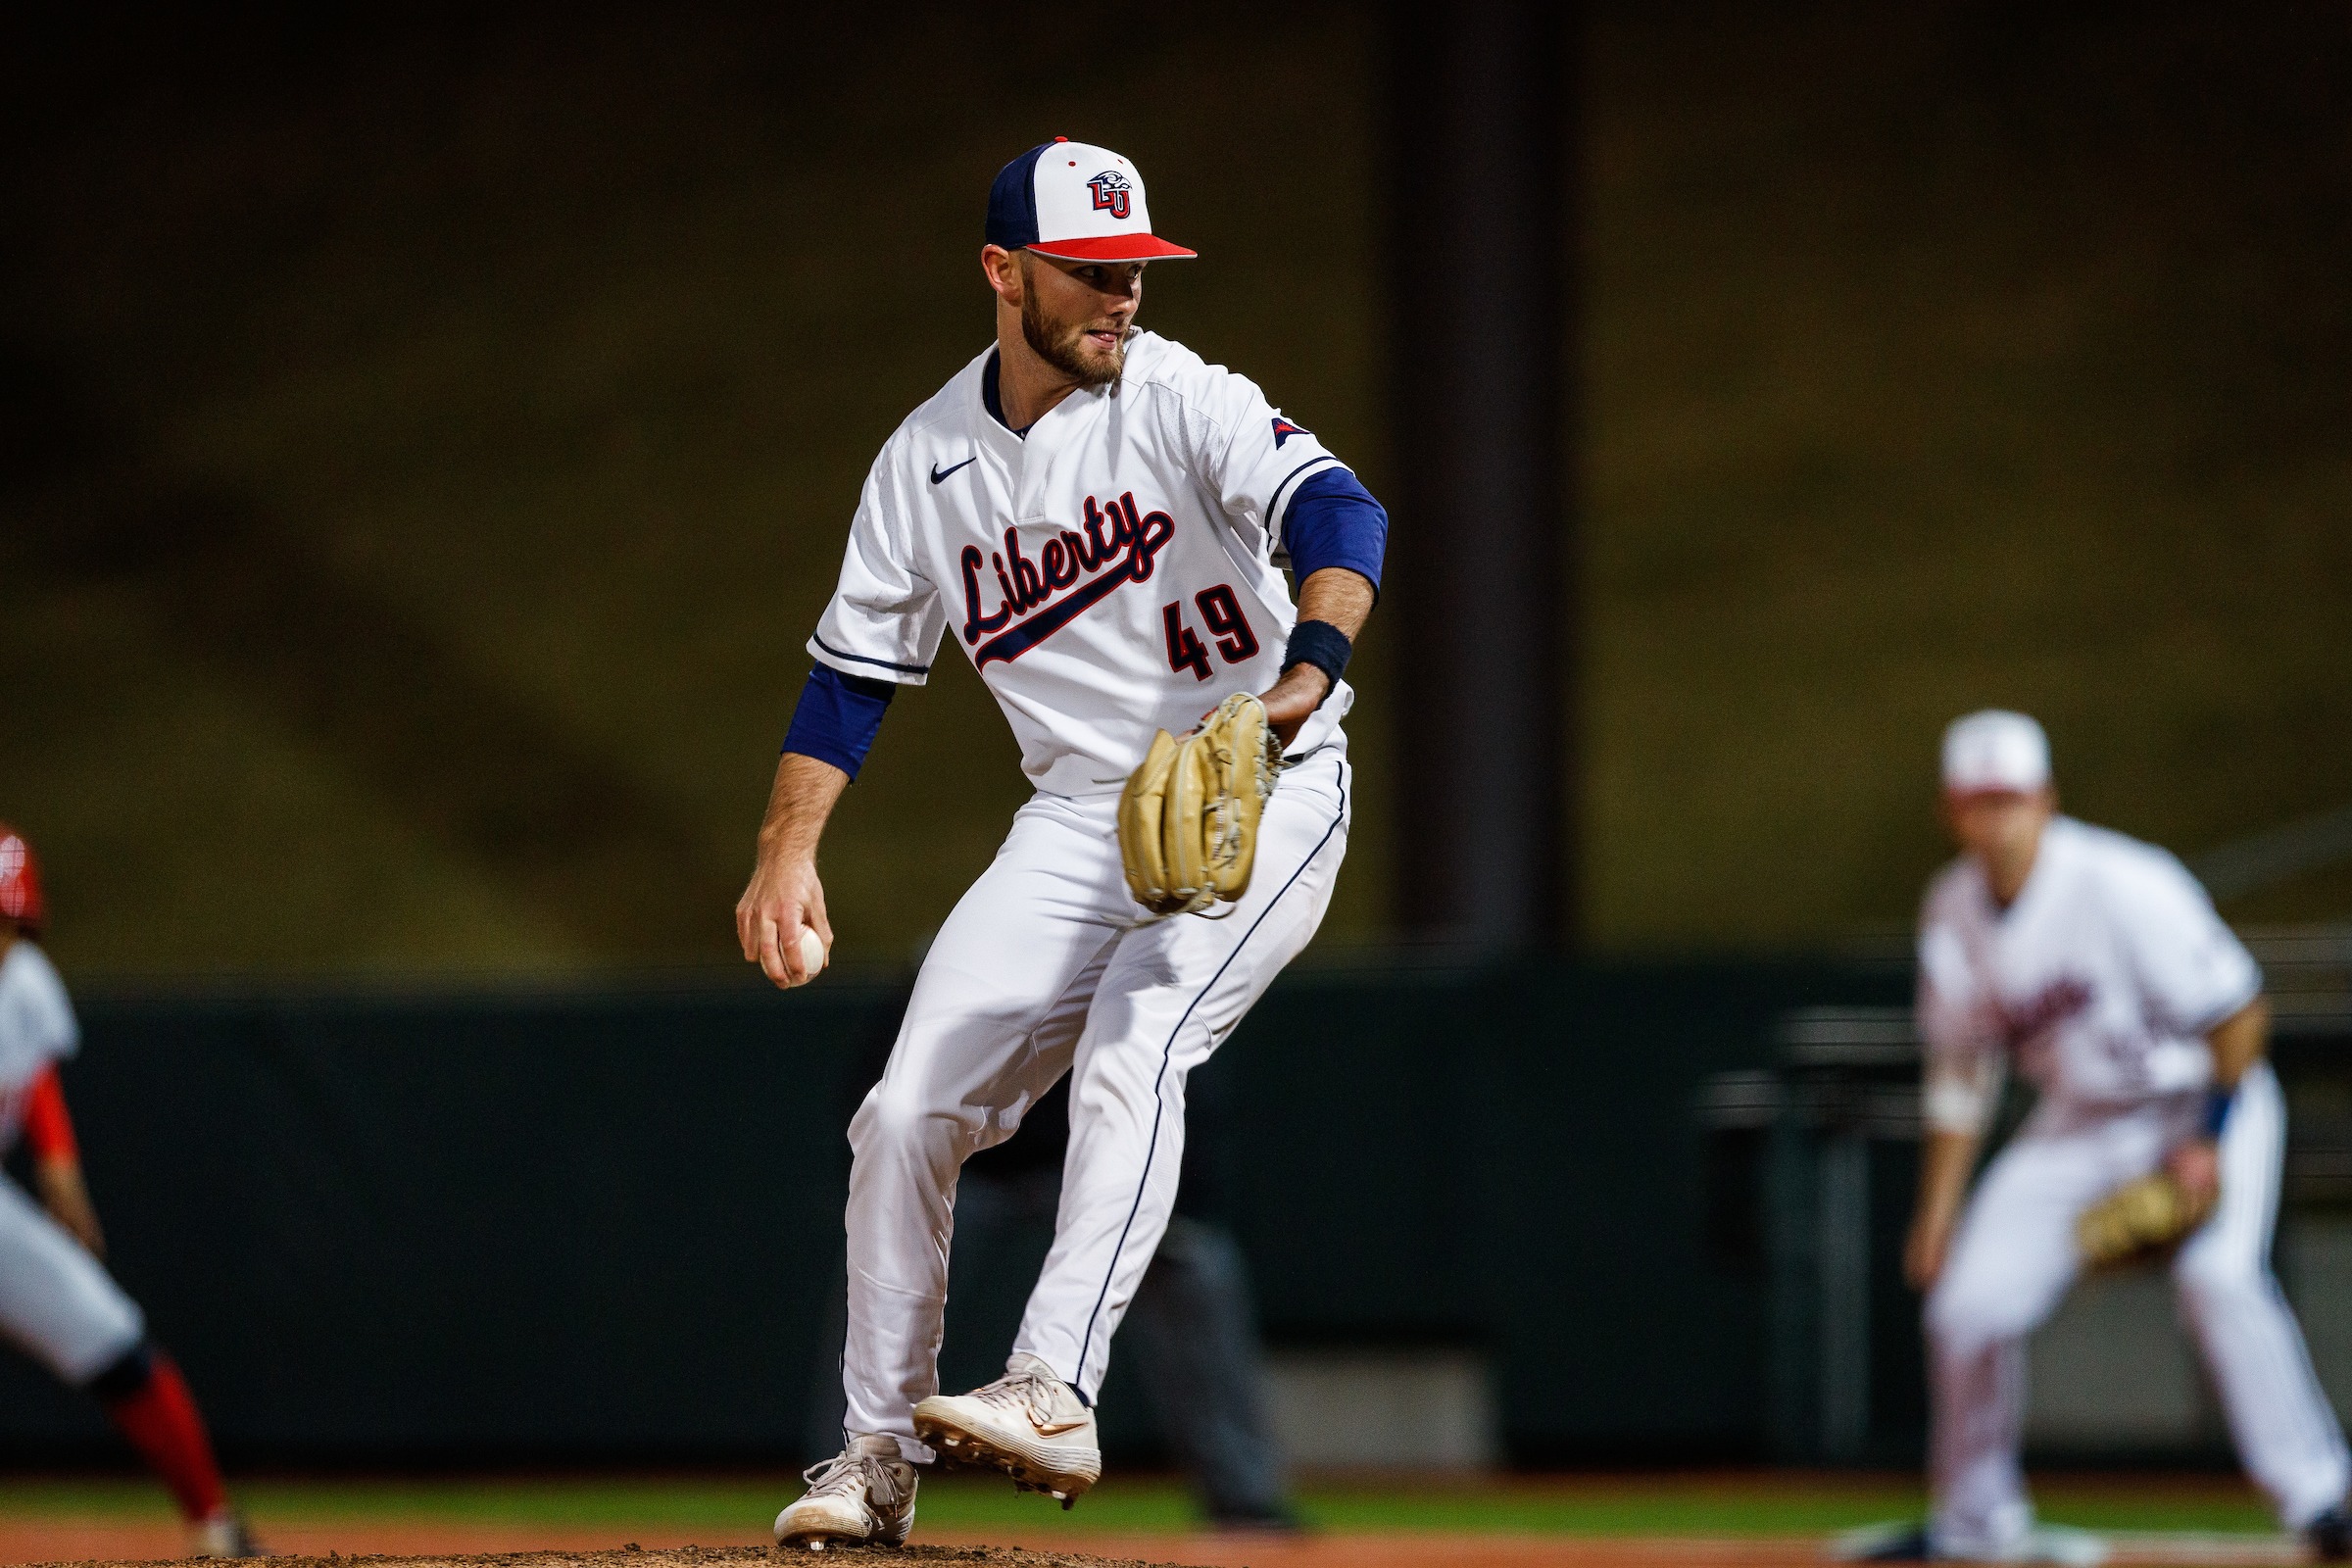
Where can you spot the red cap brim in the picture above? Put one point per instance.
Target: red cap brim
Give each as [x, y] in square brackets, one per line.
[1111, 248]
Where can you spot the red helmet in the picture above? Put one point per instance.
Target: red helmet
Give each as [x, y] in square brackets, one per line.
[20, 898]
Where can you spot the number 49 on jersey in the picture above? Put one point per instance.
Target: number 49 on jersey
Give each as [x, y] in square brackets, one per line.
[1222, 613]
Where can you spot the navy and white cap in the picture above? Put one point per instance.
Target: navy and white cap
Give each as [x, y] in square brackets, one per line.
[1080, 202]
[1995, 750]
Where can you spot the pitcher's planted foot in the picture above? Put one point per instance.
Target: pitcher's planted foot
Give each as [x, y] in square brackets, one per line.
[1028, 1423]
[864, 1496]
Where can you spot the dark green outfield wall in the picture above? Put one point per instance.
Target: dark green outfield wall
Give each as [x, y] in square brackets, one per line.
[604, 1224]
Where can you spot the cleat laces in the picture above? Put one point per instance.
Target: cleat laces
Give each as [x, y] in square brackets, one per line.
[846, 1472]
[1028, 1393]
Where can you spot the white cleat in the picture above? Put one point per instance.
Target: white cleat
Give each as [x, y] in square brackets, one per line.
[223, 1534]
[2063, 1544]
[2059, 1545]
[863, 1498]
[1028, 1423]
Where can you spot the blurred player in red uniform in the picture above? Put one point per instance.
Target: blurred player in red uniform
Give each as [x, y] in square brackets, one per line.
[57, 1303]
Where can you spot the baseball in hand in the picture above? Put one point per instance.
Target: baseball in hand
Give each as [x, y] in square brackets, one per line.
[812, 953]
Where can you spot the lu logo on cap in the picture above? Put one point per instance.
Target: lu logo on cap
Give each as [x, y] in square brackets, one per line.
[1110, 190]
[1075, 201]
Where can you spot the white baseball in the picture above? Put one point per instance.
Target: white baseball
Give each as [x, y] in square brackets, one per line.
[812, 953]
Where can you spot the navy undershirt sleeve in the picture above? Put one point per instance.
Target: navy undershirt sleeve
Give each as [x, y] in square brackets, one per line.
[1334, 522]
[838, 717]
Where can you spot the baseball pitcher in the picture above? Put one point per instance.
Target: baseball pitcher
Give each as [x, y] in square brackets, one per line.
[2097, 966]
[56, 1302]
[1100, 522]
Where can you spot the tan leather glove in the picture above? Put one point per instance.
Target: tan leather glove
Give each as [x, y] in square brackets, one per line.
[2140, 1219]
[1187, 818]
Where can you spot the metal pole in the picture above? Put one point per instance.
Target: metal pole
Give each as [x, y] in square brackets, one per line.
[1843, 1246]
[1480, 118]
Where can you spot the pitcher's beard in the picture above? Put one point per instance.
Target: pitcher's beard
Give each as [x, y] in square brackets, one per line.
[1066, 354]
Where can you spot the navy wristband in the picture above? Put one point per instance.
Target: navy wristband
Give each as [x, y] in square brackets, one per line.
[2217, 1110]
[1318, 643]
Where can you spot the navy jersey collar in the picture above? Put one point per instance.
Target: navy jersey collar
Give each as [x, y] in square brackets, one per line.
[994, 401]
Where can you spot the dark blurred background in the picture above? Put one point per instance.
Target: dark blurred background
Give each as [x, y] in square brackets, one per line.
[428, 436]
[415, 418]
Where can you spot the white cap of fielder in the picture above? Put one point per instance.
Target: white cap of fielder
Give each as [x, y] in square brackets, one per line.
[1995, 750]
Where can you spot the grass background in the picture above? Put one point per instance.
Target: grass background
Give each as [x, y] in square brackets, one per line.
[428, 440]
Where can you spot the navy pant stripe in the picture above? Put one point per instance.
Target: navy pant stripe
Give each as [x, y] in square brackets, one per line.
[1161, 1104]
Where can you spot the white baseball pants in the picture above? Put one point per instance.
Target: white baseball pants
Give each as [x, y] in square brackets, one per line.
[57, 1303]
[2014, 1257]
[1047, 967]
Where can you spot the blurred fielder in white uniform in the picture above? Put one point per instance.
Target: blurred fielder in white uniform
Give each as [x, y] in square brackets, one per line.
[1099, 520]
[2095, 965]
[58, 1303]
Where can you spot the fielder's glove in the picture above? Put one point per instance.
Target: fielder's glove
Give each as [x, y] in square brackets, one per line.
[2141, 1219]
[1187, 818]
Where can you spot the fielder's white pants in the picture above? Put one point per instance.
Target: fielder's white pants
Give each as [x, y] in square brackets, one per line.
[2014, 1257]
[57, 1303]
[1048, 965]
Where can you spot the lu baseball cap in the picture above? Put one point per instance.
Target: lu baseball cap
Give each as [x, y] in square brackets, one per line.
[1995, 750]
[1079, 201]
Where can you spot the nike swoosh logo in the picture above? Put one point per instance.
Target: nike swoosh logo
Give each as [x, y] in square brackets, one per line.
[937, 474]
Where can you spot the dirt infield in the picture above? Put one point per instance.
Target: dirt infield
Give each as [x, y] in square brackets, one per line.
[1694, 1520]
[1236, 1550]
[1204, 1550]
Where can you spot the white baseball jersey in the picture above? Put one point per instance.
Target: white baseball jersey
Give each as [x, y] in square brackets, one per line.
[36, 1028]
[55, 1300]
[1113, 572]
[2100, 980]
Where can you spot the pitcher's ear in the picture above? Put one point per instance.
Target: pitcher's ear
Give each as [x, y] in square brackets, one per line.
[1007, 271]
